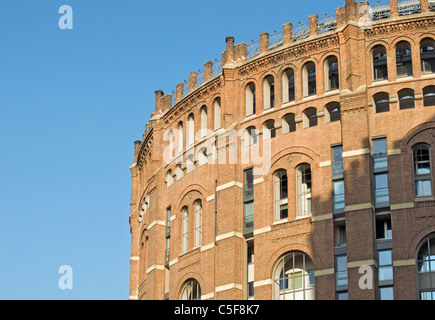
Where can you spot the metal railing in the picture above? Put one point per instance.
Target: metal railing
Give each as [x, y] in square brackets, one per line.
[199, 78]
[301, 31]
[431, 5]
[253, 49]
[185, 91]
[276, 39]
[407, 7]
[327, 23]
[217, 68]
[381, 10]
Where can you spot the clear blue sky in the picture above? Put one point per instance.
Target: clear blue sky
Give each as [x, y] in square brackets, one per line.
[73, 102]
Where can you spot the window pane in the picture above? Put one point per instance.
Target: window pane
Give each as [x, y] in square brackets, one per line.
[381, 181]
[386, 293]
[385, 258]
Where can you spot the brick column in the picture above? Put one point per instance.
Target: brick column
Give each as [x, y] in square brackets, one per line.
[287, 32]
[394, 7]
[264, 42]
[313, 21]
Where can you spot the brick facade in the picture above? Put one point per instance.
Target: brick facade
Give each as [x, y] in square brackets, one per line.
[219, 264]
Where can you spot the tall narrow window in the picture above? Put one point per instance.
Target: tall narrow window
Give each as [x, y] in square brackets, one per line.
[190, 130]
[269, 130]
[248, 201]
[338, 199]
[217, 113]
[280, 191]
[288, 123]
[250, 271]
[180, 137]
[406, 99]
[385, 275]
[380, 168]
[403, 59]
[250, 99]
[429, 96]
[309, 79]
[198, 223]
[331, 73]
[169, 178]
[341, 277]
[168, 236]
[185, 230]
[427, 55]
[269, 92]
[379, 59]
[203, 114]
[288, 85]
[422, 170]
[303, 189]
[382, 102]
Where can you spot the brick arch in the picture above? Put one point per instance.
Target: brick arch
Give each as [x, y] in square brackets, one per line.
[291, 151]
[182, 281]
[417, 240]
[411, 41]
[274, 258]
[411, 135]
[192, 189]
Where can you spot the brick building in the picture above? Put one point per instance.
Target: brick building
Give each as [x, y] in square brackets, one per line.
[300, 166]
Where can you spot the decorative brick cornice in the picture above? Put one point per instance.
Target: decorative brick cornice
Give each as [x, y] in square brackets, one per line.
[401, 27]
[292, 52]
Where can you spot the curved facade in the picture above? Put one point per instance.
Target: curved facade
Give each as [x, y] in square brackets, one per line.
[297, 167]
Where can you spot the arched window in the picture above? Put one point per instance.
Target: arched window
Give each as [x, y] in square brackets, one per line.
[269, 130]
[403, 59]
[331, 73]
[406, 99]
[382, 102]
[171, 144]
[429, 96]
[426, 268]
[293, 277]
[379, 58]
[269, 92]
[288, 123]
[309, 79]
[288, 85]
[422, 170]
[169, 179]
[190, 163]
[310, 117]
[250, 136]
[179, 171]
[427, 55]
[185, 230]
[191, 290]
[217, 113]
[203, 113]
[332, 112]
[143, 255]
[250, 99]
[190, 130]
[303, 190]
[202, 157]
[180, 137]
[198, 223]
[280, 191]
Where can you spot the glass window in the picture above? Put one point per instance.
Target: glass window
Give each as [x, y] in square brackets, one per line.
[386, 293]
[337, 162]
[403, 59]
[380, 71]
[382, 102]
[293, 278]
[426, 268]
[338, 199]
[281, 195]
[341, 280]
[382, 193]
[303, 188]
[427, 55]
[380, 156]
[422, 170]
[191, 291]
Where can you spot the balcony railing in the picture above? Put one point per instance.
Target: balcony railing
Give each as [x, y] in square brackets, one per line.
[253, 49]
[381, 10]
[276, 39]
[301, 31]
[327, 23]
[409, 7]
